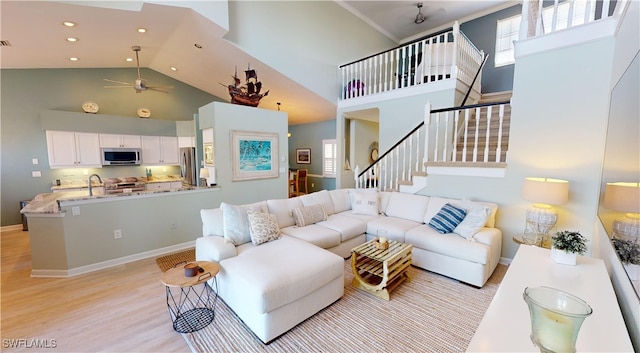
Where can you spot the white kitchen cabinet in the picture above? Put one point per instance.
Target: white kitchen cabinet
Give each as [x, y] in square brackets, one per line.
[117, 141]
[186, 141]
[160, 150]
[68, 149]
[176, 185]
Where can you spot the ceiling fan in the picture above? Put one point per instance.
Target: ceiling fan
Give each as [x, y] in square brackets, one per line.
[140, 84]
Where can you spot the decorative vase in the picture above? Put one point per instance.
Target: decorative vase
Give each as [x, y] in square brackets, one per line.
[563, 257]
[556, 318]
[633, 271]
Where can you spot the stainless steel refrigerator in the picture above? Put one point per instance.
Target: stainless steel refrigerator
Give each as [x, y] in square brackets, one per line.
[188, 166]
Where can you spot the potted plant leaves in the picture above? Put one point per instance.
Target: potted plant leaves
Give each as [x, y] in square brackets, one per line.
[629, 253]
[567, 245]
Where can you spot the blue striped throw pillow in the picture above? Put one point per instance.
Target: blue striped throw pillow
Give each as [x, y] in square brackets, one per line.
[447, 218]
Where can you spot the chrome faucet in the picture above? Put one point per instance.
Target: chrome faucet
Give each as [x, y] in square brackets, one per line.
[91, 176]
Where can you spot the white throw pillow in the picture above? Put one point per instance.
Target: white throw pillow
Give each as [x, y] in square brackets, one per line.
[263, 227]
[309, 215]
[340, 199]
[407, 206]
[474, 221]
[365, 203]
[236, 222]
[319, 197]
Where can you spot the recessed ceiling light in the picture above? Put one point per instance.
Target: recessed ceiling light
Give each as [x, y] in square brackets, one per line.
[68, 24]
[129, 59]
[173, 68]
[142, 30]
[71, 39]
[73, 58]
[198, 46]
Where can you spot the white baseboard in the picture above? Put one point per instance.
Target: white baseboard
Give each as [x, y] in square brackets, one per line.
[505, 261]
[112, 263]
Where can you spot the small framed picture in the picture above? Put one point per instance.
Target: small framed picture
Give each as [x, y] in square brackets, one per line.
[303, 155]
[208, 154]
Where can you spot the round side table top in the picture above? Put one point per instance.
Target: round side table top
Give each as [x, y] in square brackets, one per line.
[175, 277]
[518, 238]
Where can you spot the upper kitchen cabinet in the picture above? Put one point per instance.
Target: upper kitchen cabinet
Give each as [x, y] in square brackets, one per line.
[160, 150]
[68, 149]
[125, 141]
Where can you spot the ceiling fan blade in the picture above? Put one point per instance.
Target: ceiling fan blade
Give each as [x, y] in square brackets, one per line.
[129, 86]
[122, 83]
[164, 89]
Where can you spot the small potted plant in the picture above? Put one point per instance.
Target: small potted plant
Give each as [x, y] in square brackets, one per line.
[629, 253]
[567, 246]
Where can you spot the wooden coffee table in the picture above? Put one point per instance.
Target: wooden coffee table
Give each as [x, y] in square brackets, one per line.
[190, 300]
[380, 271]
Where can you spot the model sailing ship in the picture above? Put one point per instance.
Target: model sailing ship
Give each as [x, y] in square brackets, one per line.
[249, 93]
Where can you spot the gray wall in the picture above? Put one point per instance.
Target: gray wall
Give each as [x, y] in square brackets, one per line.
[311, 136]
[26, 93]
[482, 33]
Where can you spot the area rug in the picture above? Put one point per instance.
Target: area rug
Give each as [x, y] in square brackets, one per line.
[431, 313]
[168, 261]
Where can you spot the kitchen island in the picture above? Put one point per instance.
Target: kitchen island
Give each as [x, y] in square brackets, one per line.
[73, 233]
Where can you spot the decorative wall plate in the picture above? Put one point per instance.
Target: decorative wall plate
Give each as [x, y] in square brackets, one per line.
[90, 107]
[144, 112]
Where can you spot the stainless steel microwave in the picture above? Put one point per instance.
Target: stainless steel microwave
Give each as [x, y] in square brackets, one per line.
[121, 156]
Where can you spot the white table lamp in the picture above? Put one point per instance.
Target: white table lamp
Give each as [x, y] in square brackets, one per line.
[541, 217]
[625, 197]
[204, 174]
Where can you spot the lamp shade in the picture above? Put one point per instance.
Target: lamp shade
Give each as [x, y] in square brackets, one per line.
[545, 190]
[204, 173]
[622, 196]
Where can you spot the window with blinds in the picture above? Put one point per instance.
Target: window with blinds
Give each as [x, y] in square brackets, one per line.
[506, 33]
[329, 158]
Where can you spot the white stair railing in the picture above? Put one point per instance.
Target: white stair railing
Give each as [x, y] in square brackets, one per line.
[437, 140]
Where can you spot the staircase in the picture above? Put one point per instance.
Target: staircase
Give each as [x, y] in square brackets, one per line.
[495, 135]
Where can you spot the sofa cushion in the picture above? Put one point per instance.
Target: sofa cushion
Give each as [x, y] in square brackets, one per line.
[434, 206]
[236, 221]
[447, 219]
[340, 199]
[212, 223]
[263, 226]
[452, 245]
[282, 209]
[321, 197]
[278, 273]
[468, 204]
[474, 221]
[309, 215]
[315, 234]
[395, 227]
[407, 206]
[365, 202]
[348, 227]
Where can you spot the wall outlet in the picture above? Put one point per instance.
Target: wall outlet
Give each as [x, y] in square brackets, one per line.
[313, 185]
[117, 234]
[34, 160]
[75, 210]
[173, 225]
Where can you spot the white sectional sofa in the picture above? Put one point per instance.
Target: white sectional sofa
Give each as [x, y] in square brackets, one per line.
[275, 285]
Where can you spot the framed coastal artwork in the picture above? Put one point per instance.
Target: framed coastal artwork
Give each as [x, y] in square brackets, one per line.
[254, 155]
[303, 155]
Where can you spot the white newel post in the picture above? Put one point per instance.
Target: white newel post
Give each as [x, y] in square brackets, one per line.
[427, 122]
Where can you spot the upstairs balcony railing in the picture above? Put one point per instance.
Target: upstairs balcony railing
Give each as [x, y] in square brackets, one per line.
[463, 136]
[538, 17]
[448, 54]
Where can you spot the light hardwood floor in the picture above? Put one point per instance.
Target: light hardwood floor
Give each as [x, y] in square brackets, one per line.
[122, 309]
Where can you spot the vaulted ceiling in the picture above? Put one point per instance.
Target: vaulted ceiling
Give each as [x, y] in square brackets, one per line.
[33, 36]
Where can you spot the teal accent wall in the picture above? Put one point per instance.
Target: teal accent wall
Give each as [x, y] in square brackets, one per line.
[311, 136]
[26, 93]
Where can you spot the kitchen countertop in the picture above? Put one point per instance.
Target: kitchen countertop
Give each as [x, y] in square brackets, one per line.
[83, 183]
[49, 203]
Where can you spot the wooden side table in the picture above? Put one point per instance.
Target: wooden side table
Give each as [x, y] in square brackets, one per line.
[380, 271]
[190, 300]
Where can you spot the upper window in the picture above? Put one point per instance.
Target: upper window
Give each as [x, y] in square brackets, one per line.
[506, 34]
[329, 158]
[508, 29]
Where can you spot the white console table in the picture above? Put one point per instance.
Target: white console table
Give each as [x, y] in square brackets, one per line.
[506, 325]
